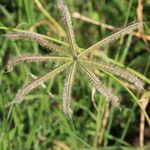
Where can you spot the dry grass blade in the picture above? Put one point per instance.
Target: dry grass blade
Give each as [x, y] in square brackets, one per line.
[69, 29]
[106, 92]
[92, 21]
[113, 37]
[59, 29]
[93, 99]
[33, 36]
[67, 90]
[103, 124]
[61, 145]
[33, 58]
[144, 102]
[140, 14]
[29, 87]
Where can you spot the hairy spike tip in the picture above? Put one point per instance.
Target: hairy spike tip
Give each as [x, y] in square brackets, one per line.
[32, 58]
[9, 67]
[11, 35]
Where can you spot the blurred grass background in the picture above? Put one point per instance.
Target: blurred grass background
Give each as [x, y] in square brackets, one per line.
[39, 122]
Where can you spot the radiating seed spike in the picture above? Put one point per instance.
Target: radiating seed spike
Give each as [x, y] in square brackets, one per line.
[67, 98]
[33, 58]
[106, 92]
[15, 35]
[113, 37]
[35, 83]
[69, 29]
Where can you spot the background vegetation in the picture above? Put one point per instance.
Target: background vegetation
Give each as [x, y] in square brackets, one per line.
[39, 122]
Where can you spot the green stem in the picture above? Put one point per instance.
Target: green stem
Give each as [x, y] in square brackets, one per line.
[50, 18]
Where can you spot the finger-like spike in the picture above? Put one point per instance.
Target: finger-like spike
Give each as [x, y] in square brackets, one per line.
[124, 74]
[120, 72]
[69, 29]
[33, 58]
[113, 37]
[67, 90]
[106, 92]
[37, 82]
[15, 35]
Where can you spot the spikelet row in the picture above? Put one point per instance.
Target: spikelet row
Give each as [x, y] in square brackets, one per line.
[113, 37]
[120, 72]
[32, 58]
[124, 74]
[37, 82]
[33, 36]
[69, 29]
[67, 95]
[106, 92]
